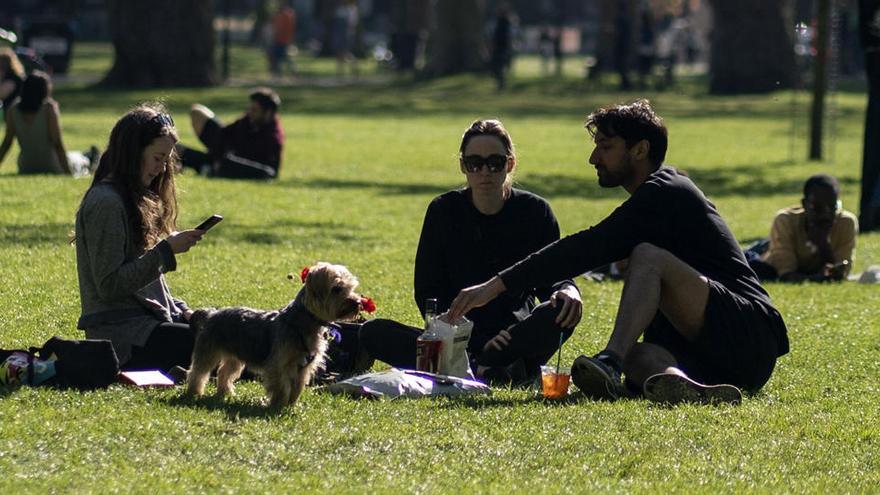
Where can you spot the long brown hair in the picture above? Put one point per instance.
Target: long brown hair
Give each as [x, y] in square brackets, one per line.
[491, 127]
[153, 209]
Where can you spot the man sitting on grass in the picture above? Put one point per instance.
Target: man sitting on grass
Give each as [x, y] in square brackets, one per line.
[708, 326]
[814, 241]
[249, 148]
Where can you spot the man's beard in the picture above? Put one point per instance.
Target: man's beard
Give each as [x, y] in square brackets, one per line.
[613, 179]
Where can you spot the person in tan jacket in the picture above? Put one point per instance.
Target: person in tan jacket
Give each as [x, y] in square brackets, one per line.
[815, 241]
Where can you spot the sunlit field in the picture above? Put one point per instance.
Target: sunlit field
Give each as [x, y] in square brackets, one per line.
[362, 160]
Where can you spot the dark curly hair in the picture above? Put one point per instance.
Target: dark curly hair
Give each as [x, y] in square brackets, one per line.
[633, 122]
[822, 180]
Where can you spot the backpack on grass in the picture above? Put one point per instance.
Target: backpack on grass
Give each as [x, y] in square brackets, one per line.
[78, 364]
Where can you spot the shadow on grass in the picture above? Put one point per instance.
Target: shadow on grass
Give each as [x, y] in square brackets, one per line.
[401, 97]
[233, 408]
[751, 180]
[387, 188]
[33, 234]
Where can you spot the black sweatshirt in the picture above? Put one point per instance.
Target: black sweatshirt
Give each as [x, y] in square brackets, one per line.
[460, 247]
[668, 211]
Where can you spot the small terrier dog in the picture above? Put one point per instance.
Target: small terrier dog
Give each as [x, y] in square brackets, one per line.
[286, 347]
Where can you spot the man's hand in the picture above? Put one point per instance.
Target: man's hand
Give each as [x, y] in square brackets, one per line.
[474, 297]
[572, 306]
[836, 271]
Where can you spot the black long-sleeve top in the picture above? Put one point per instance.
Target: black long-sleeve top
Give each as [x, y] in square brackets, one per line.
[668, 211]
[460, 247]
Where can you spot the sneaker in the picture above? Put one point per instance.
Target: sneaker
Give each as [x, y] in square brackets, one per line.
[514, 375]
[596, 379]
[672, 388]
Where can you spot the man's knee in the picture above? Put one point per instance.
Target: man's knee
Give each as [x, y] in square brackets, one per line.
[647, 254]
[198, 116]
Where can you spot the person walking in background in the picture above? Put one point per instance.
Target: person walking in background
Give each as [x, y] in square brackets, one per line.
[34, 120]
[11, 76]
[283, 30]
[469, 234]
[646, 46]
[708, 326]
[249, 148]
[126, 241]
[814, 241]
[502, 44]
[345, 22]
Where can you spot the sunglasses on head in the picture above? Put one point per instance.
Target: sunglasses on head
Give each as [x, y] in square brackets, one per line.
[474, 163]
[163, 119]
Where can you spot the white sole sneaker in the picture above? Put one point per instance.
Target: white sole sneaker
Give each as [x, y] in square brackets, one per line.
[670, 388]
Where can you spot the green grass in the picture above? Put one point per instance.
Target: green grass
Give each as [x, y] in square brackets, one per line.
[361, 164]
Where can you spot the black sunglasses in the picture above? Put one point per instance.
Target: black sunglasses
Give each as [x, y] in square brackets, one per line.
[474, 163]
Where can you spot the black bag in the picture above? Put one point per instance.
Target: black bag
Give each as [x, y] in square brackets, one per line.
[81, 364]
[345, 355]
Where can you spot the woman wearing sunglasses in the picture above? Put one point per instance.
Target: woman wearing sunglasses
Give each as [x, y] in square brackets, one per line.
[469, 235]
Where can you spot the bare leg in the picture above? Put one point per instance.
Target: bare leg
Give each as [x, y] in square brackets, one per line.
[656, 279]
[199, 115]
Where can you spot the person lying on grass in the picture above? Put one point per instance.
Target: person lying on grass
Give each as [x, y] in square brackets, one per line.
[249, 148]
[469, 234]
[126, 241]
[708, 326]
[811, 242]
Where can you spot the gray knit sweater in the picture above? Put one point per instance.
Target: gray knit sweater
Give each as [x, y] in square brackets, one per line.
[121, 287]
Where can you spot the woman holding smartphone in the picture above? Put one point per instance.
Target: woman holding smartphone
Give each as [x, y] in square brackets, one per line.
[470, 234]
[126, 241]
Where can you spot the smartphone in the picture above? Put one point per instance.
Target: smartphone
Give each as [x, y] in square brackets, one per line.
[210, 222]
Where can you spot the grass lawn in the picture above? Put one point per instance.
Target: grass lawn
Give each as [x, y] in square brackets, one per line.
[361, 164]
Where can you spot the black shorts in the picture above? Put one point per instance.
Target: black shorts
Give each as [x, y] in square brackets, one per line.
[739, 342]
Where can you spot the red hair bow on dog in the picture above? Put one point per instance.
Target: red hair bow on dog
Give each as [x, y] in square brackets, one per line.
[368, 305]
[304, 274]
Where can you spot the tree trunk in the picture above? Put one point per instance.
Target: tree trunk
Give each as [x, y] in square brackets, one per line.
[752, 50]
[456, 42]
[160, 43]
[869, 205]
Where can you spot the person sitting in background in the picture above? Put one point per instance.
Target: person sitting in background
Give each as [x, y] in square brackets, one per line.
[249, 148]
[11, 76]
[815, 241]
[34, 120]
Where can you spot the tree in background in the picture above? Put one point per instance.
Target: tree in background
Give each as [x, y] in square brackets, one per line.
[869, 204]
[752, 49]
[456, 42]
[161, 43]
[409, 20]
